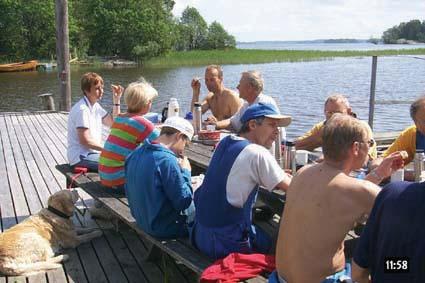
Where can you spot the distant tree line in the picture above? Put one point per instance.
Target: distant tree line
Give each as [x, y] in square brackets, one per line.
[132, 29]
[412, 30]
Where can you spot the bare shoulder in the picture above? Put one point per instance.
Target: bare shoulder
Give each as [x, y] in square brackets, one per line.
[209, 96]
[362, 192]
[231, 94]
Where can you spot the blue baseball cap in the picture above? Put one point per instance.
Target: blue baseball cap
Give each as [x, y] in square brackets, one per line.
[265, 110]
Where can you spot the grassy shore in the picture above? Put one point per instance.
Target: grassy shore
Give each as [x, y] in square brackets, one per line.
[252, 56]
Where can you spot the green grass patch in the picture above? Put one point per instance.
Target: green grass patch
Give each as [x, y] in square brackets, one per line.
[253, 56]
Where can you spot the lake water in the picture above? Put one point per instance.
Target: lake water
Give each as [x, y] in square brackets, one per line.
[299, 88]
[361, 46]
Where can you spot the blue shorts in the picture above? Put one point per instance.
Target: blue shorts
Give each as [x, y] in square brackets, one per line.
[339, 277]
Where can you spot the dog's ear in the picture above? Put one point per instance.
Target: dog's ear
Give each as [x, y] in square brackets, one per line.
[62, 201]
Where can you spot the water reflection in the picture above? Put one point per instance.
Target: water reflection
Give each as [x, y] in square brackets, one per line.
[299, 88]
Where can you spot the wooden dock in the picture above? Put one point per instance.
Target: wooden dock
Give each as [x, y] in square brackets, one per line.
[31, 145]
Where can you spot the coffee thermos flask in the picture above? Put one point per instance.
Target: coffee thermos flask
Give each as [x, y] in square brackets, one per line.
[288, 156]
[418, 161]
[197, 117]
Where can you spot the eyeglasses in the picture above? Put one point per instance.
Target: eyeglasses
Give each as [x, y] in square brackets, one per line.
[332, 112]
[370, 142]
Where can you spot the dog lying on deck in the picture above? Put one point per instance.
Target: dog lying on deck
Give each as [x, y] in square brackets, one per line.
[30, 246]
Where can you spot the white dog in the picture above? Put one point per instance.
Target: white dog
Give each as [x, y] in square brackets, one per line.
[30, 246]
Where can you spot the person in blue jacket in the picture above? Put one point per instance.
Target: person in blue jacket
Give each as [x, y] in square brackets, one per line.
[158, 187]
[240, 165]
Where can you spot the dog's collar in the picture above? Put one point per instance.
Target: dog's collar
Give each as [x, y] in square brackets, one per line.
[57, 212]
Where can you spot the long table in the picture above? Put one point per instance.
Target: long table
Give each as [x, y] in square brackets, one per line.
[200, 155]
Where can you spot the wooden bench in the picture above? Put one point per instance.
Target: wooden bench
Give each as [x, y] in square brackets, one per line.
[179, 249]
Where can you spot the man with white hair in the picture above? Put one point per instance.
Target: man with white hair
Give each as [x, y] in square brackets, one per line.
[251, 90]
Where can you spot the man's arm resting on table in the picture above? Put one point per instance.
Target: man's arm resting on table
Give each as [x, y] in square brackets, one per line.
[223, 124]
[86, 140]
[284, 184]
[308, 143]
[360, 274]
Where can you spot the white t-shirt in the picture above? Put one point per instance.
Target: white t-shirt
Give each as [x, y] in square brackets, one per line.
[253, 166]
[235, 120]
[83, 115]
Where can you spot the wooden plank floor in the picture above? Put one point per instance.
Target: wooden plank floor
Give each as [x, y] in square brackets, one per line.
[31, 144]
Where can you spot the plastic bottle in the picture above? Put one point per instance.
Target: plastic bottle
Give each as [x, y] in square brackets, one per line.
[173, 108]
[189, 117]
[418, 164]
[197, 117]
[361, 174]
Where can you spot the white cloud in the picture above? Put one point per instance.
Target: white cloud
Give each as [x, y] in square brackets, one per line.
[251, 20]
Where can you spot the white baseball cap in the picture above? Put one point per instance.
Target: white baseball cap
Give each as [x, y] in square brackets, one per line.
[180, 124]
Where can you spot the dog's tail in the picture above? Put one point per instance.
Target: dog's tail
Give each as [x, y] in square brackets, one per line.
[17, 269]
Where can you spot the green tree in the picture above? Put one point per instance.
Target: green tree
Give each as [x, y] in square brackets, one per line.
[412, 30]
[218, 38]
[127, 27]
[27, 29]
[193, 29]
[391, 35]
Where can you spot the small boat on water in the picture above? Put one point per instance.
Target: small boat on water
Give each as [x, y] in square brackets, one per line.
[19, 67]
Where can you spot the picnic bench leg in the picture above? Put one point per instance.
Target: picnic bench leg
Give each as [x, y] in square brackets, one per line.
[70, 183]
[153, 253]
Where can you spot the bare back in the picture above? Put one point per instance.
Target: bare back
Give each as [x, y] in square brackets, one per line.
[322, 205]
[224, 105]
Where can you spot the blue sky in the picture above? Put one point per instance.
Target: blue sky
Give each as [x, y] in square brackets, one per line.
[253, 20]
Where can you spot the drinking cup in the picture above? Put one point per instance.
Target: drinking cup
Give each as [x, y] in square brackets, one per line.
[397, 175]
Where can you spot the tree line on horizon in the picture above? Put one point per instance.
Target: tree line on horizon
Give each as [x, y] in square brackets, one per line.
[412, 30]
[131, 29]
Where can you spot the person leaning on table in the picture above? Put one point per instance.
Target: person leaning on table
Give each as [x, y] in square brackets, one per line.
[336, 103]
[158, 182]
[323, 203]
[239, 165]
[412, 137]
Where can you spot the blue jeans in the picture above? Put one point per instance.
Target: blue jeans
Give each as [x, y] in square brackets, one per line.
[91, 161]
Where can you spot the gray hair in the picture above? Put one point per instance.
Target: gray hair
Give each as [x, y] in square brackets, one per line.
[414, 108]
[339, 98]
[255, 79]
[245, 126]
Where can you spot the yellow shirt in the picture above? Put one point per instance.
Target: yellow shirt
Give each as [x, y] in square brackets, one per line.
[405, 141]
[373, 152]
[316, 128]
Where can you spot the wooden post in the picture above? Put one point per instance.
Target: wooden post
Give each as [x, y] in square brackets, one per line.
[48, 101]
[372, 91]
[62, 54]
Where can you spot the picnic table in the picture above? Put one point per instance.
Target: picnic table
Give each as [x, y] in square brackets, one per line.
[200, 154]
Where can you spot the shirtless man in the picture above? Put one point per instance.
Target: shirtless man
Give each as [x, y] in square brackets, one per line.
[222, 101]
[323, 202]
